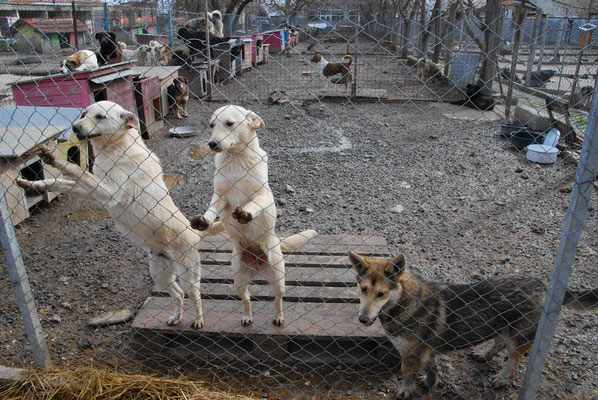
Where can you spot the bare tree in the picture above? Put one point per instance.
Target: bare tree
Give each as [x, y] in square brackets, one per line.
[290, 8]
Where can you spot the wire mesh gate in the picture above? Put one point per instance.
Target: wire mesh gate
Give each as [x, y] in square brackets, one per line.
[445, 184]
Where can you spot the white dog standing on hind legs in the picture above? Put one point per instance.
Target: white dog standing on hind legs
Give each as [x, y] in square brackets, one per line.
[128, 182]
[243, 201]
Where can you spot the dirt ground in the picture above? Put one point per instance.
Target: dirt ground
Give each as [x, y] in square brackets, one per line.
[471, 208]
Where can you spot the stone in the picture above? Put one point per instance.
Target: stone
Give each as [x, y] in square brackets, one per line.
[111, 318]
[84, 343]
[289, 189]
[281, 202]
[55, 319]
[404, 185]
[397, 209]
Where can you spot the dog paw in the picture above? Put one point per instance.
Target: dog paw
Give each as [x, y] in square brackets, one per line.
[242, 216]
[46, 155]
[24, 183]
[406, 391]
[174, 320]
[278, 321]
[197, 324]
[200, 223]
[246, 321]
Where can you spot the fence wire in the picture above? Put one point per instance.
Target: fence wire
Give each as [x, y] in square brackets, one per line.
[330, 205]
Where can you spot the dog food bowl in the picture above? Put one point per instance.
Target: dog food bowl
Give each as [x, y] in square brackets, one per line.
[542, 154]
[521, 136]
[182, 132]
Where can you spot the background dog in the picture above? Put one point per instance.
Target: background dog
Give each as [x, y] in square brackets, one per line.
[426, 70]
[82, 60]
[245, 204]
[110, 51]
[423, 318]
[338, 73]
[216, 18]
[178, 97]
[128, 183]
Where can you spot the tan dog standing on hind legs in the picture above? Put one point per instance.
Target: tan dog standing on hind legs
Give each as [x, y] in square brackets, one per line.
[128, 182]
[243, 201]
[423, 318]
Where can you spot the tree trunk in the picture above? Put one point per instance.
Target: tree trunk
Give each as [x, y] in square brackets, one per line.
[449, 34]
[492, 34]
[407, 31]
[423, 34]
[435, 21]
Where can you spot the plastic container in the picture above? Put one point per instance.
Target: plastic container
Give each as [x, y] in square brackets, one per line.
[182, 131]
[542, 154]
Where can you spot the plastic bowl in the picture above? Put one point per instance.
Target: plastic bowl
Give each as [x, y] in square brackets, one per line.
[542, 154]
[182, 131]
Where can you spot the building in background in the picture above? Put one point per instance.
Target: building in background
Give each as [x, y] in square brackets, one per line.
[37, 35]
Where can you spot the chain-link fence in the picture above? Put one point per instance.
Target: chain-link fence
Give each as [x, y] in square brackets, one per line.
[352, 203]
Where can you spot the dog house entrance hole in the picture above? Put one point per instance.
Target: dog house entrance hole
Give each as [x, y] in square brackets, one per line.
[100, 94]
[157, 104]
[74, 155]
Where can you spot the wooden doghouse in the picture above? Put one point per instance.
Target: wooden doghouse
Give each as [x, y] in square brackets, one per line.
[277, 39]
[80, 89]
[149, 109]
[24, 128]
[258, 52]
[166, 77]
[248, 48]
[229, 59]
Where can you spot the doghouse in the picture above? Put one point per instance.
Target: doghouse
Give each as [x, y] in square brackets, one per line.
[113, 82]
[24, 129]
[149, 108]
[248, 49]
[276, 40]
[257, 56]
[229, 58]
[166, 77]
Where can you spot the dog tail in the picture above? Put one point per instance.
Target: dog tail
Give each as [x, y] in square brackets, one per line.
[582, 299]
[297, 241]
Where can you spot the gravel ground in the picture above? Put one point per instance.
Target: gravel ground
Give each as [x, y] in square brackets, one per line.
[471, 208]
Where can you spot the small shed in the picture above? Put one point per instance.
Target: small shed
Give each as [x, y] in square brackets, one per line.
[36, 35]
[276, 40]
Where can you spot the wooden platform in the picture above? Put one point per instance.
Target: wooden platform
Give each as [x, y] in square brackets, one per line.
[321, 307]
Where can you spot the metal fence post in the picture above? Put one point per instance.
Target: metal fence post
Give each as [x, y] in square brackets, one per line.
[20, 282]
[572, 229]
[170, 24]
[106, 18]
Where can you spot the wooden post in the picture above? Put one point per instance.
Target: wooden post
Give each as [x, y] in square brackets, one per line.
[74, 17]
[519, 17]
[18, 277]
[532, 50]
[543, 27]
[492, 33]
[449, 37]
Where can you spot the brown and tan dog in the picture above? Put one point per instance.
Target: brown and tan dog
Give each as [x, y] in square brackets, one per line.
[178, 97]
[338, 73]
[422, 318]
[82, 60]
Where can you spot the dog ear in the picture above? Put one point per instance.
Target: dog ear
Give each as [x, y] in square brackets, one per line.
[395, 267]
[129, 119]
[255, 121]
[358, 263]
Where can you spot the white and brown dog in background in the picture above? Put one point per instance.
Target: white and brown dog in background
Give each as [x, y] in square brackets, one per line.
[244, 203]
[128, 183]
[82, 60]
[337, 73]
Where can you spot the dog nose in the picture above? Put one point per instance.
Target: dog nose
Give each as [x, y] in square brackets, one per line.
[213, 145]
[364, 319]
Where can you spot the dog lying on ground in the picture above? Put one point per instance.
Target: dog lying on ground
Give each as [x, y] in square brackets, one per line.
[423, 318]
[539, 78]
[244, 202]
[178, 97]
[82, 60]
[110, 51]
[128, 183]
[582, 98]
[478, 97]
[338, 73]
[426, 70]
[505, 73]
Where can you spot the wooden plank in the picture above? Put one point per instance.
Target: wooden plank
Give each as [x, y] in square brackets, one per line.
[308, 276]
[262, 291]
[322, 244]
[11, 375]
[302, 319]
[291, 260]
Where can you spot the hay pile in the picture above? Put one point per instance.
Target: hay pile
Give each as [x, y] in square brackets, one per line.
[97, 384]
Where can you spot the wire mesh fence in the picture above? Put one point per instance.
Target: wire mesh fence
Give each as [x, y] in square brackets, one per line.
[313, 206]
